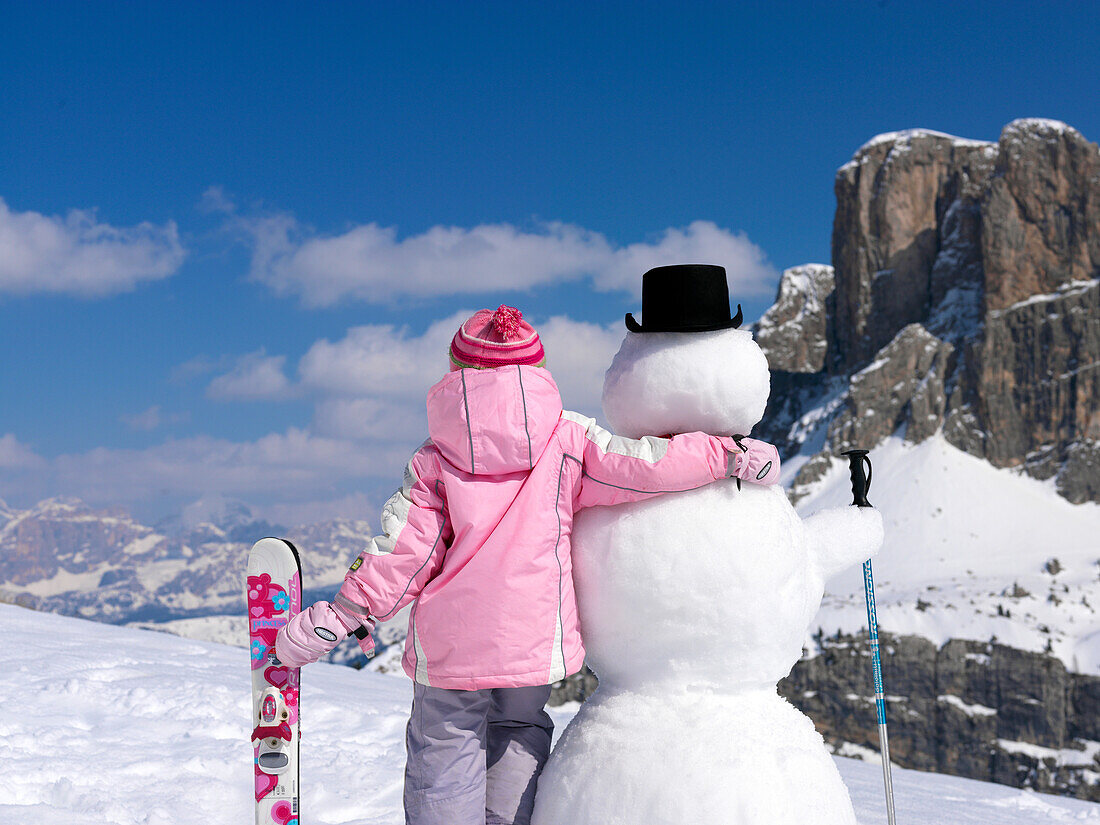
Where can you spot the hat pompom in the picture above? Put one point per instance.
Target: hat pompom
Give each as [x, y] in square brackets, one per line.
[506, 322]
[496, 338]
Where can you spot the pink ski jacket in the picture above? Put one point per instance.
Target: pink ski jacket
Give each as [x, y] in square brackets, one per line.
[478, 536]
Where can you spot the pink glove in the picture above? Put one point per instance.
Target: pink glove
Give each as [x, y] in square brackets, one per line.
[752, 460]
[313, 633]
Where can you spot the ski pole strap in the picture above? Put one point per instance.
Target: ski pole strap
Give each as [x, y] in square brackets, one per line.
[366, 643]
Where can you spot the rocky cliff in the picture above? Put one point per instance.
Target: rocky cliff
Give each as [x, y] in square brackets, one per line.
[964, 297]
[969, 708]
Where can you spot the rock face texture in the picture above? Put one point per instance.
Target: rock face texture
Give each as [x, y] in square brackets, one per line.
[905, 236]
[1041, 213]
[796, 330]
[964, 296]
[974, 709]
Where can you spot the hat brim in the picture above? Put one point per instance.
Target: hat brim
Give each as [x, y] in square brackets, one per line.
[732, 323]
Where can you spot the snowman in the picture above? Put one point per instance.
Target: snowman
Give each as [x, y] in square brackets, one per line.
[694, 605]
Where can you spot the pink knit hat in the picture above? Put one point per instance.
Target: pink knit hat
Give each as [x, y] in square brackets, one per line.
[491, 339]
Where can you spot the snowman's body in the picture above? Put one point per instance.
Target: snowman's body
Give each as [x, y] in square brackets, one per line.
[693, 606]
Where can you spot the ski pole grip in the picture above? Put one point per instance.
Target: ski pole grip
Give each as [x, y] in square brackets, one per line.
[861, 481]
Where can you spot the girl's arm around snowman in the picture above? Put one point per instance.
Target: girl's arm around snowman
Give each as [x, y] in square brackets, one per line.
[387, 575]
[617, 470]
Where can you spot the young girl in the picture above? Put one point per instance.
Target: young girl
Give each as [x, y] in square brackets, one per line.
[478, 540]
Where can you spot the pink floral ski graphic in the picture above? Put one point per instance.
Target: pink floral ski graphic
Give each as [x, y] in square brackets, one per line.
[265, 601]
[274, 595]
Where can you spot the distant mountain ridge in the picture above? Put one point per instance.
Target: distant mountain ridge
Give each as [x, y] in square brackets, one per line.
[220, 517]
[64, 557]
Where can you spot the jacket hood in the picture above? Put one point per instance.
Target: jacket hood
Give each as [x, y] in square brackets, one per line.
[494, 421]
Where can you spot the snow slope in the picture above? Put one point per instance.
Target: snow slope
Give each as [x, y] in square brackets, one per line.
[118, 726]
[971, 552]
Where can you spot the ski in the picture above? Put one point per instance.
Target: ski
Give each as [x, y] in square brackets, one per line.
[274, 592]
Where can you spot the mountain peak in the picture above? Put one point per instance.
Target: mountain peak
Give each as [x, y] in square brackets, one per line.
[1040, 126]
[60, 506]
[215, 509]
[793, 331]
[217, 517]
[909, 135]
[967, 273]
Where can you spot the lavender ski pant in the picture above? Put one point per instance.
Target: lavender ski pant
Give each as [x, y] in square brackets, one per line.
[474, 756]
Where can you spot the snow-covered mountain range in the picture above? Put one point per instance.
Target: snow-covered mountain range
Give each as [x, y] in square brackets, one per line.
[185, 574]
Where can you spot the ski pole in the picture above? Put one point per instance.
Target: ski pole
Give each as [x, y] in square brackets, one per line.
[860, 484]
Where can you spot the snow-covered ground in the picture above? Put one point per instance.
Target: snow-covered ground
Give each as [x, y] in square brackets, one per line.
[971, 552]
[111, 725]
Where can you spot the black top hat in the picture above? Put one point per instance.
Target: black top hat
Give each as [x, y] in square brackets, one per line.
[685, 298]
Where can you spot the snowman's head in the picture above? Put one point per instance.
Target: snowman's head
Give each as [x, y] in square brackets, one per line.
[677, 382]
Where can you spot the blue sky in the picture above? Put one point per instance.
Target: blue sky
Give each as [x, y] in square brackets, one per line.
[210, 212]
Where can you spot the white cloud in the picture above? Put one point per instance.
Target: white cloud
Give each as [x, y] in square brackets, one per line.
[701, 242]
[255, 376]
[198, 366]
[279, 468]
[77, 255]
[24, 474]
[14, 455]
[578, 354]
[394, 369]
[368, 389]
[374, 381]
[286, 466]
[214, 199]
[370, 263]
[351, 506]
[372, 418]
[152, 419]
[380, 360]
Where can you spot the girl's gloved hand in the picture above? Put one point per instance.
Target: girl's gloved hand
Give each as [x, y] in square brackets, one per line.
[752, 460]
[312, 633]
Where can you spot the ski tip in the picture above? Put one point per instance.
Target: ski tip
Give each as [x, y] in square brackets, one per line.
[293, 550]
[276, 543]
[268, 541]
